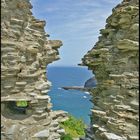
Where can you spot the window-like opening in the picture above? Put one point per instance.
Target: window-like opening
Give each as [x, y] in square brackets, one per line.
[16, 109]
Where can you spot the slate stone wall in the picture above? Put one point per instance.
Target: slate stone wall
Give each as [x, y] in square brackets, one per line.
[25, 53]
[114, 60]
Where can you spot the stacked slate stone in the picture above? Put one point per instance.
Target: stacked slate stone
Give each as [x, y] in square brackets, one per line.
[26, 51]
[114, 60]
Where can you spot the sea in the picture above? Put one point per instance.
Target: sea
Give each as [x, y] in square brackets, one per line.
[76, 103]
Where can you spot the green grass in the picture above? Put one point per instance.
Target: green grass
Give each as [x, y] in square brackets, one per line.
[73, 127]
[66, 137]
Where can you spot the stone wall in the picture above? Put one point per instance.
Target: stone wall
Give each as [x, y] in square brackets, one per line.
[26, 51]
[114, 60]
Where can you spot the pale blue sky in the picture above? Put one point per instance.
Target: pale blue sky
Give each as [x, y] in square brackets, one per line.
[75, 22]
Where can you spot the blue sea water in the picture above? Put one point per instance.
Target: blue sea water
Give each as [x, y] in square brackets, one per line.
[74, 102]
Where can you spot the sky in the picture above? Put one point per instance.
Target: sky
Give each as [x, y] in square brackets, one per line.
[75, 22]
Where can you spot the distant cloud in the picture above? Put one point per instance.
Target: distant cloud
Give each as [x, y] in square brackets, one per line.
[75, 22]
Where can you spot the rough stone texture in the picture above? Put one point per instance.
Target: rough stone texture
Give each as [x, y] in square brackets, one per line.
[114, 60]
[26, 51]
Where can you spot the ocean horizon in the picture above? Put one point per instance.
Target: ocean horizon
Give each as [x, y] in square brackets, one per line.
[76, 103]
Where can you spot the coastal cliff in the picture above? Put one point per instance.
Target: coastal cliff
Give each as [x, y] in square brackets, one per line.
[114, 61]
[26, 51]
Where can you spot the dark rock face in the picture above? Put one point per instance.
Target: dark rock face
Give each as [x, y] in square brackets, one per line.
[114, 61]
[25, 53]
[90, 83]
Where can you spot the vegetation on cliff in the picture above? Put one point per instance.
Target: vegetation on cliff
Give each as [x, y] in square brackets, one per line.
[74, 127]
[66, 137]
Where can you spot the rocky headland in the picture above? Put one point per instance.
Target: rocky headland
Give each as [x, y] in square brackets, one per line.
[114, 61]
[25, 53]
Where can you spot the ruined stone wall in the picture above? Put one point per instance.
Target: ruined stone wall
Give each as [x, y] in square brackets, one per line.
[25, 52]
[114, 60]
